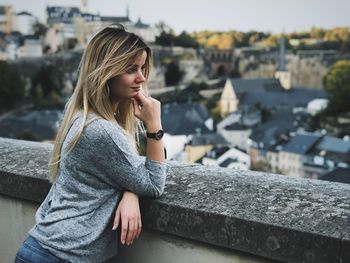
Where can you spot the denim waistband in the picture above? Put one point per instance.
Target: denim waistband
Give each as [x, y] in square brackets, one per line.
[33, 244]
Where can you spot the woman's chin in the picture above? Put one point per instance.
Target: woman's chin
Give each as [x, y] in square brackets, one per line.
[134, 93]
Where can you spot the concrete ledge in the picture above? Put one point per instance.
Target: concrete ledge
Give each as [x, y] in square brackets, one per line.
[273, 216]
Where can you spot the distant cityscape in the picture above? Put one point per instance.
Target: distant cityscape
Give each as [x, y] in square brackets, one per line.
[252, 107]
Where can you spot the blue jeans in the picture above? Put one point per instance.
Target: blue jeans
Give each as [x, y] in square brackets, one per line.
[32, 252]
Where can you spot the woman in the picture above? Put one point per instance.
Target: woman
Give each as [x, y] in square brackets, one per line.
[96, 172]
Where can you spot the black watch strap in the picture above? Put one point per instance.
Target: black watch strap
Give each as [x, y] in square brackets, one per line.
[155, 135]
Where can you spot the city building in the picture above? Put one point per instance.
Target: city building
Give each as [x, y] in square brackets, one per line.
[180, 121]
[200, 144]
[6, 19]
[292, 154]
[23, 23]
[224, 156]
[328, 154]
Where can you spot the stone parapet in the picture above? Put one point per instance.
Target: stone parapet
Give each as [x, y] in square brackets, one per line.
[273, 216]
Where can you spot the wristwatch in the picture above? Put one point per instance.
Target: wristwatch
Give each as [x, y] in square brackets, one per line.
[155, 135]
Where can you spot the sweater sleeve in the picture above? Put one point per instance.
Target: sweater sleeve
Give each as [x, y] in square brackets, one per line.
[124, 167]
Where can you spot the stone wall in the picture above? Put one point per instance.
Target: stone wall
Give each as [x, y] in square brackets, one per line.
[240, 215]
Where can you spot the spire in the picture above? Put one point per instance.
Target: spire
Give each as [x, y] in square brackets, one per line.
[282, 61]
[282, 74]
[127, 11]
[83, 7]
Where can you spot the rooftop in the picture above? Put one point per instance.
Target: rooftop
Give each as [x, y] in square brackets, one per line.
[268, 92]
[184, 118]
[333, 144]
[207, 139]
[301, 143]
[340, 175]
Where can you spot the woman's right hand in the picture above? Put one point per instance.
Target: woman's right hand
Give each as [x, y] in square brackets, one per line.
[147, 109]
[129, 217]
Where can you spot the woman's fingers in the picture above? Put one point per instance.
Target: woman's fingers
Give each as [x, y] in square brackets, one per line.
[139, 229]
[131, 229]
[136, 107]
[131, 233]
[124, 231]
[116, 220]
[140, 97]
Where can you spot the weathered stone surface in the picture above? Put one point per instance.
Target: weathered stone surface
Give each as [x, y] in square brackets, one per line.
[30, 161]
[274, 216]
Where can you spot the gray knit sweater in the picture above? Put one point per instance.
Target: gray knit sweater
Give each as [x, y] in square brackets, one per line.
[75, 220]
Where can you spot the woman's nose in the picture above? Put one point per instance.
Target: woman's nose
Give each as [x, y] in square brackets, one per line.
[140, 77]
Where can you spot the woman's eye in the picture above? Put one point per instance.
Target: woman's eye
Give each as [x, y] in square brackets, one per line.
[132, 70]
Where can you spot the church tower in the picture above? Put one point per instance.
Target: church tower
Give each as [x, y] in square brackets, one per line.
[228, 101]
[127, 11]
[282, 73]
[83, 7]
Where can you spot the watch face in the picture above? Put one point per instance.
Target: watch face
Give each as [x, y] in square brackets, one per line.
[159, 134]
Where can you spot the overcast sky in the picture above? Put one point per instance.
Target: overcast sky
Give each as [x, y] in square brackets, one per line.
[194, 15]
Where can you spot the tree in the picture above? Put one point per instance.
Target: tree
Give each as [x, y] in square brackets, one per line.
[39, 29]
[185, 40]
[317, 32]
[165, 39]
[166, 34]
[163, 27]
[47, 86]
[48, 78]
[272, 41]
[173, 74]
[11, 86]
[337, 84]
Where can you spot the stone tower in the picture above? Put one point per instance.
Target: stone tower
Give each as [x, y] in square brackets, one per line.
[282, 73]
[228, 101]
[84, 4]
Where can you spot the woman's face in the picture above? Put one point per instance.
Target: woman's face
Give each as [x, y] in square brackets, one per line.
[128, 84]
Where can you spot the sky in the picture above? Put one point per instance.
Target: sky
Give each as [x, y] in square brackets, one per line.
[273, 16]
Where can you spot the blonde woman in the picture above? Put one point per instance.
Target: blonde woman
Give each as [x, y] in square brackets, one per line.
[96, 172]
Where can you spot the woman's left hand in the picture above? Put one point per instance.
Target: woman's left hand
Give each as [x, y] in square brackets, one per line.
[128, 212]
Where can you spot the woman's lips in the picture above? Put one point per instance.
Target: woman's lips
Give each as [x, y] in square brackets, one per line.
[136, 88]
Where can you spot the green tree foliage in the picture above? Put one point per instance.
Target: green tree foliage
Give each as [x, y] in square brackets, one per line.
[11, 86]
[228, 40]
[185, 40]
[337, 84]
[299, 35]
[165, 39]
[47, 85]
[317, 32]
[336, 38]
[272, 41]
[173, 74]
[39, 29]
[221, 40]
[47, 80]
[340, 34]
[182, 40]
[214, 107]
[189, 94]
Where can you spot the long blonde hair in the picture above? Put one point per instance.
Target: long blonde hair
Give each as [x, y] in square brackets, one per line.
[110, 53]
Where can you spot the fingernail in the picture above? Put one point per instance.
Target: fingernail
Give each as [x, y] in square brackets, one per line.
[114, 228]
